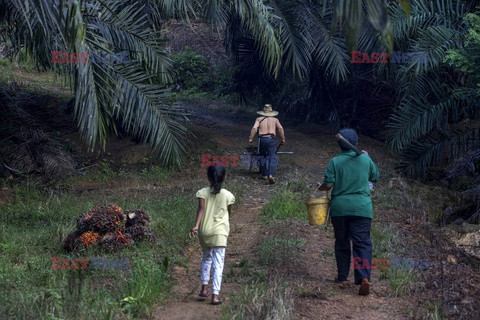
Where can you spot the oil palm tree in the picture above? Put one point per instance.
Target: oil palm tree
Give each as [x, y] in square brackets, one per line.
[432, 101]
[290, 35]
[131, 93]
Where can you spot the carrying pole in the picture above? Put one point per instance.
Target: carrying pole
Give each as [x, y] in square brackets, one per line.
[349, 145]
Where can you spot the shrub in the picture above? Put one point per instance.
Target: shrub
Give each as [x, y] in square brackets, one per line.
[191, 69]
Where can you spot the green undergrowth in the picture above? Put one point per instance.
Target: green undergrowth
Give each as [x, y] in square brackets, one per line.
[105, 170]
[265, 296]
[272, 299]
[278, 251]
[33, 228]
[238, 190]
[387, 244]
[285, 204]
[26, 76]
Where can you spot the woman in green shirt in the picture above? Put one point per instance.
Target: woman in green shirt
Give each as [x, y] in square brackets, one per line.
[351, 210]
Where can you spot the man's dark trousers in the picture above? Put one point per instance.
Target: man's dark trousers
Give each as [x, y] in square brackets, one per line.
[357, 230]
[269, 162]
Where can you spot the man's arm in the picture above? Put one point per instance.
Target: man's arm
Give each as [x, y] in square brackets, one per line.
[280, 131]
[254, 130]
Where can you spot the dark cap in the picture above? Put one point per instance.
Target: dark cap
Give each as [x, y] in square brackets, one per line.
[350, 135]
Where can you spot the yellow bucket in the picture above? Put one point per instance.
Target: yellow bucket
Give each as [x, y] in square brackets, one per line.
[317, 211]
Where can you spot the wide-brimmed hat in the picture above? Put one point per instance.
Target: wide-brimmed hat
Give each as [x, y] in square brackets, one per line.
[268, 111]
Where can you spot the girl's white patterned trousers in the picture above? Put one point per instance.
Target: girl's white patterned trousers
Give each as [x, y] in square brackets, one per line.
[213, 256]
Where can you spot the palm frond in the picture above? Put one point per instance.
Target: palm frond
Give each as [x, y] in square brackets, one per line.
[295, 39]
[178, 9]
[133, 92]
[129, 30]
[415, 118]
[146, 113]
[259, 20]
[435, 41]
[433, 150]
[331, 54]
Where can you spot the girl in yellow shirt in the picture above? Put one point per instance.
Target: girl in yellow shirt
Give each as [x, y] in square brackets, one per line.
[212, 226]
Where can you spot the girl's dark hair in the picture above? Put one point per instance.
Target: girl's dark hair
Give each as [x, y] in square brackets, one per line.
[216, 175]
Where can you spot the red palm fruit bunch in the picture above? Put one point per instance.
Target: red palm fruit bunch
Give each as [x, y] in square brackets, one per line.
[140, 232]
[84, 222]
[137, 225]
[106, 219]
[102, 219]
[72, 242]
[109, 227]
[123, 238]
[88, 238]
[136, 217]
[116, 240]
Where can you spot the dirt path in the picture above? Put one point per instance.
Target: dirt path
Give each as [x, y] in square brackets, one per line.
[316, 295]
[244, 235]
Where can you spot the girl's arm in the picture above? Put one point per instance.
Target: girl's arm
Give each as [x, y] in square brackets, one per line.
[201, 206]
[229, 210]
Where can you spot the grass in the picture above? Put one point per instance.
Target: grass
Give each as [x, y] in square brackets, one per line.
[271, 300]
[386, 200]
[33, 81]
[33, 228]
[157, 173]
[238, 190]
[401, 281]
[387, 244]
[106, 173]
[278, 251]
[285, 204]
[435, 311]
[266, 297]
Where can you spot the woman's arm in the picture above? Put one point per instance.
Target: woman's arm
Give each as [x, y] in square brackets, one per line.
[229, 208]
[200, 210]
[324, 186]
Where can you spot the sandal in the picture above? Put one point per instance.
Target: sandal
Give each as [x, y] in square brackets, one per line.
[220, 301]
[201, 295]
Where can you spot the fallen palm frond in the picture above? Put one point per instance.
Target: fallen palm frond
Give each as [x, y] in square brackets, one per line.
[464, 175]
[31, 142]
